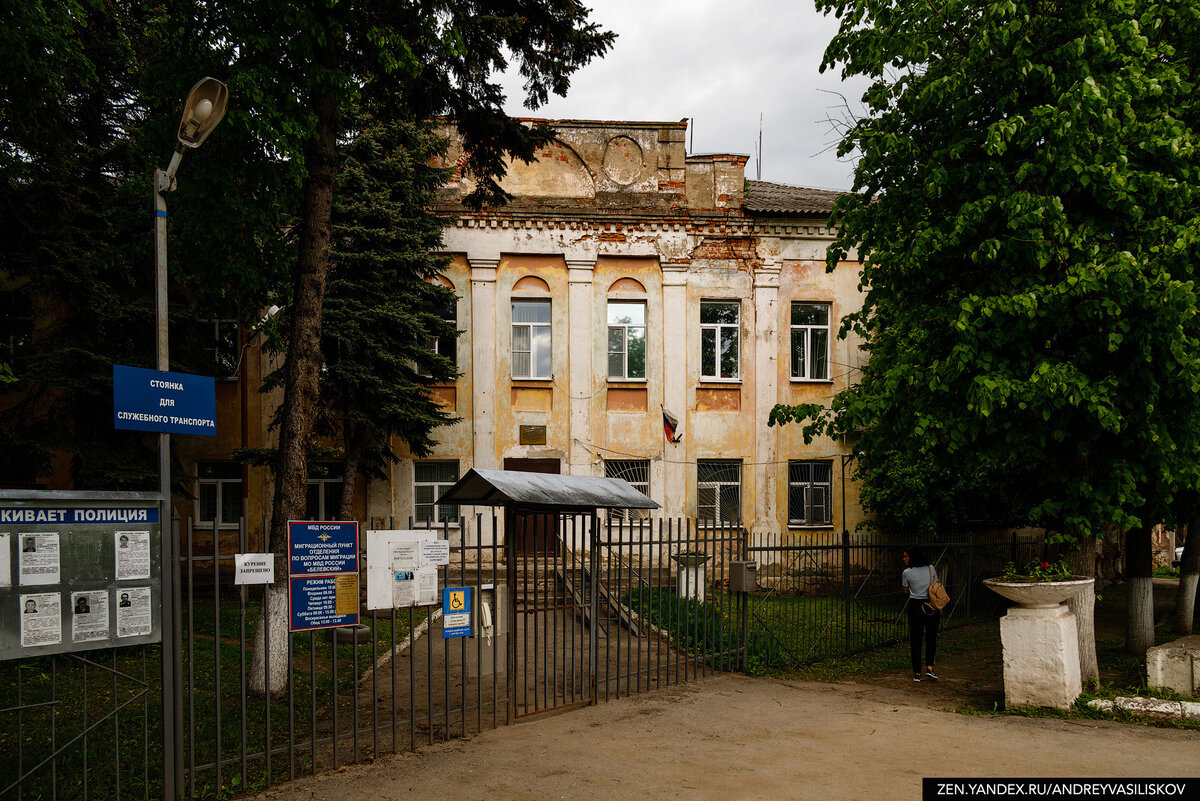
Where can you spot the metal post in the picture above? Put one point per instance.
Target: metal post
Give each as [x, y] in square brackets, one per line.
[172, 647]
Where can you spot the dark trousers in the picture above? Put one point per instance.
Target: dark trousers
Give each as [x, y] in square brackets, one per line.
[922, 626]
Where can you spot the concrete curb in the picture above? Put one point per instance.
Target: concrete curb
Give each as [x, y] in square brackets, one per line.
[1150, 707]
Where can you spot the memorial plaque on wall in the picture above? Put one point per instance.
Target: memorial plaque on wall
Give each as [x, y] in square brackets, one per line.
[78, 572]
[533, 435]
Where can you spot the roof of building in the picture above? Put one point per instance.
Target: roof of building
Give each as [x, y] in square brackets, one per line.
[511, 487]
[767, 198]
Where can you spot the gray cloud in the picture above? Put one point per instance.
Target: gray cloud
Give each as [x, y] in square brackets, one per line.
[722, 65]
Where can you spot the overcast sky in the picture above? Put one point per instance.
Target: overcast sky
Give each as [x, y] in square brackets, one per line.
[721, 64]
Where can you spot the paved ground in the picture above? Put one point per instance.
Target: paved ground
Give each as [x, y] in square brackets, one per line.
[732, 737]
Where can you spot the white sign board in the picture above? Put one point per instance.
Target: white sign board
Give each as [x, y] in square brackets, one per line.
[402, 568]
[435, 553]
[254, 568]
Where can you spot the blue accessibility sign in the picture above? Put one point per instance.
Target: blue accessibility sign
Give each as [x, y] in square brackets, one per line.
[456, 612]
[316, 547]
[169, 403]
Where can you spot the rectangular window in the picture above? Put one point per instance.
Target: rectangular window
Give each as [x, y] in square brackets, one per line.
[323, 495]
[531, 339]
[810, 341]
[810, 487]
[430, 480]
[220, 342]
[445, 346]
[626, 340]
[720, 333]
[719, 490]
[218, 494]
[16, 328]
[637, 473]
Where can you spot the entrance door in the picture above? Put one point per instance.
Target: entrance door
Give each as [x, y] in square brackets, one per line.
[535, 533]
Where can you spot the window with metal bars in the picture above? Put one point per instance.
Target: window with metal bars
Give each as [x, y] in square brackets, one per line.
[430, 480]
[810, 488]
[637, 473]
[719, 490]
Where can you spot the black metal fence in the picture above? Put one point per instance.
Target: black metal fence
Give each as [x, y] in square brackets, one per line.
[602, 609]
[827, 594]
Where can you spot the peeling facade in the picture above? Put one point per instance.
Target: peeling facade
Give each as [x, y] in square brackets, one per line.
[727, 309]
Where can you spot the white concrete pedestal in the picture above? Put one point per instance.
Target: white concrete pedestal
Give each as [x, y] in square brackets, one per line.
[1041, 657]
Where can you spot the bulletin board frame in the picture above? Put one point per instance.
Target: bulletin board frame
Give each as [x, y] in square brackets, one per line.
[79, 571]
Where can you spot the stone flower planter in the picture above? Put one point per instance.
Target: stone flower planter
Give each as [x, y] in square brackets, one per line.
[1041, 646]
[1037, 594]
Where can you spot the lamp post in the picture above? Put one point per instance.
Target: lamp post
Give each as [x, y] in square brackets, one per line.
[205, 108]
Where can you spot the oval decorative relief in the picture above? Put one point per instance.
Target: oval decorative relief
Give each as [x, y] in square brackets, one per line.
[623, 160]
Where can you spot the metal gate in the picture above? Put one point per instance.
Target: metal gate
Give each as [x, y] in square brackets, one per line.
[605, 609]
[551, 656]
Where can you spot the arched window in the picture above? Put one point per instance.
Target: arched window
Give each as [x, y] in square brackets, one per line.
[626, 331]
[448, 345]
[531, 330]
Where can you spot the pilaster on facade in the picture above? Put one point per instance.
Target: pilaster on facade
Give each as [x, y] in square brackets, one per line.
[675, 386]
[766, 390]
[483, 359]
[580, 341]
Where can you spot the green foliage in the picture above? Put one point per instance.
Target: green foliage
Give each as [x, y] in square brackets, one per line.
[75, 279]
[1037, 570]
[1026, 209]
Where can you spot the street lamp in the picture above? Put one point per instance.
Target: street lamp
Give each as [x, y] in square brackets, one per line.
[205, 108]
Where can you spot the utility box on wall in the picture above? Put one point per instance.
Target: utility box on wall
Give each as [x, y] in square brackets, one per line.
[743, 576]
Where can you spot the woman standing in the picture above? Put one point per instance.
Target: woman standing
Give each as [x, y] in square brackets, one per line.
[923, 619]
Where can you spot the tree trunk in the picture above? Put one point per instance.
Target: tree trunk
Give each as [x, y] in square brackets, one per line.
[1189, 576]
[356, 443]
[1083, 606]
[1139, 572]
[301, 393]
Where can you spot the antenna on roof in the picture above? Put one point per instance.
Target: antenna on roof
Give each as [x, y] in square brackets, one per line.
[692, 134]
[758, 152]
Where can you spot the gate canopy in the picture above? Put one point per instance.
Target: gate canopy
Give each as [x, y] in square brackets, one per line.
[565, 493]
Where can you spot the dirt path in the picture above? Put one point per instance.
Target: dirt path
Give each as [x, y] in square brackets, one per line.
[732, 737]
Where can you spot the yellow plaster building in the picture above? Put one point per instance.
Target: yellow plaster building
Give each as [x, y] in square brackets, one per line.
[627, 283]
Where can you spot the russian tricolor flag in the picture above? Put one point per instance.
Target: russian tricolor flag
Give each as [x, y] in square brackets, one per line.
[671, 426]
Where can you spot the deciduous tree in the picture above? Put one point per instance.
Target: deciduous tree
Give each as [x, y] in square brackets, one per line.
[1026, 208]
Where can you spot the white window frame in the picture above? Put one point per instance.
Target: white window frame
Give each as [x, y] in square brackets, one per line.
[220, 486]
[720, 332]
[624, 329]
[439, 487]
[533, 351]
[320, 483]
[719, 516]
[628, 469]
[809, 492]
[808, 333]
[225, 356]
[446, 346]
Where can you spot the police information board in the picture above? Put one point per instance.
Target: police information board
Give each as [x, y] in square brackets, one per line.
[323, 574]
[170, 403]
[78, 571]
